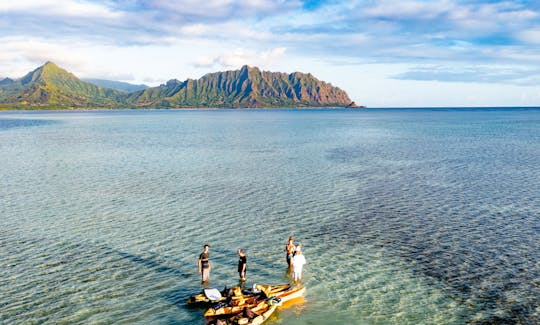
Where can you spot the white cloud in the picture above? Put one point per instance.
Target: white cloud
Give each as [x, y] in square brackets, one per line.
[234, 30]
[531, 36]
[490, 17]
[408, 9]
[65, 8]
[225, 9]
[205, 61]
[266, 6]
[195, 29]
[273, 54]
[241, 56]
[486, 74]
[462, 19]
[156, 40]
[208, 8]
[519, 55]
[236, 58]
[29, 53]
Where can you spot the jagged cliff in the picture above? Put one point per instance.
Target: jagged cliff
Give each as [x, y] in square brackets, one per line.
[247, 87]
[50, 86]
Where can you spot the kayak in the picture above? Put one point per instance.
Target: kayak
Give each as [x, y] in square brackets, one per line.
[254, 303]
[261, 315]
[290, 294]
[235, 307]
[207, 296]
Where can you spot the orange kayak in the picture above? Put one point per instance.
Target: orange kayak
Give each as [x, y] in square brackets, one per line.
[260, 314]
[204, 298]
[255, 303]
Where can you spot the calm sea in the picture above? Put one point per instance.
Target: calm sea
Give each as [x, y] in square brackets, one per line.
[407, 216]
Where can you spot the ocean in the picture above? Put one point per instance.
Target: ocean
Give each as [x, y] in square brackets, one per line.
[406, 216]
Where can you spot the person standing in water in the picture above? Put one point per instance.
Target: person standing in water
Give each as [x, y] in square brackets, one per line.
[289, 250]
[298, 262]
[242, 264]
[204, 264]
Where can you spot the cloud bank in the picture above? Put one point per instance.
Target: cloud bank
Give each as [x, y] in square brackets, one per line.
[481, 41]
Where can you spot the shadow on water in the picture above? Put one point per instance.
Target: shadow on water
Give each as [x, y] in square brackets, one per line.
[486, 259]
[83, 264]
[175, 296]
[152, 265]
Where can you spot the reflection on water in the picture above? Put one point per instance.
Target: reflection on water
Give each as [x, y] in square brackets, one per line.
[406, 216]
[9, 123]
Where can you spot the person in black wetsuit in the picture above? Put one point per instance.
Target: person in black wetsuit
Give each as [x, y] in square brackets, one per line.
[289, 250]
[242, 264]
[204, 264]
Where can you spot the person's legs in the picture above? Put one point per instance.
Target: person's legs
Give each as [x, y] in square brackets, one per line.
[205, 274]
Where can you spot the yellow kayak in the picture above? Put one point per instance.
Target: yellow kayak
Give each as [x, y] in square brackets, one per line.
[290, 294]
[260, 316]
[254, 303]
[216, 296]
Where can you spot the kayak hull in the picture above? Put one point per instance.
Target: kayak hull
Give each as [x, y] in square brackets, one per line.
[255, 303]
[260, 319]
[202, 299]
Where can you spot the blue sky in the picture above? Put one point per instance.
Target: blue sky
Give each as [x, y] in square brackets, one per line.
[383, 53]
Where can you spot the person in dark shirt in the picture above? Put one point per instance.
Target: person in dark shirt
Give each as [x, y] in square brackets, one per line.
[204, 264]
[289, 250]
[242, 264]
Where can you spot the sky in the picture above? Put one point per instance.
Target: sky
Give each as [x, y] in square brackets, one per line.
[385, 53]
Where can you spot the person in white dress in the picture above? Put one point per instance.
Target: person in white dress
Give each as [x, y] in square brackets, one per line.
[298, 262]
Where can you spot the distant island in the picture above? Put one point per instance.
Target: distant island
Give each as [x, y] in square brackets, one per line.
[51, 87]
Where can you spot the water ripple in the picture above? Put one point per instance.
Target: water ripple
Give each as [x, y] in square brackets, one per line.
[406, 216]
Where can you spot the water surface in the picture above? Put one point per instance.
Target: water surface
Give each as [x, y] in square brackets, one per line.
[406, 216]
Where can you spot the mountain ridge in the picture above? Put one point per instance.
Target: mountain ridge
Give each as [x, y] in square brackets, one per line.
[50, 86]
[116, 85]
[248, 87]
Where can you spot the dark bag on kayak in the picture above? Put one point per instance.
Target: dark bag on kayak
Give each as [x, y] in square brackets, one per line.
[219, 305]
[248, 313]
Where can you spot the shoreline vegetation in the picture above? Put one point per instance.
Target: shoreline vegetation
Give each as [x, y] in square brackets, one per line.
[51, 87]
[82, 109]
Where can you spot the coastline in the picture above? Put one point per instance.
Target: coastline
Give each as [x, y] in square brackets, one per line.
[178, 108]
[336, 108]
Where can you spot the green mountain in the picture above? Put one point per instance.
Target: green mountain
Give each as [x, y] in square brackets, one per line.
[50, 86]
[247, 87]
[116, 85]
[6, 81]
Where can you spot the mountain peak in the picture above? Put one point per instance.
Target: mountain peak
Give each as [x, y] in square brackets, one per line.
[248, 68]
[50, 85]
[173, 82]
[6, 81]
[47, 73]
[49, 64]
[246, 87]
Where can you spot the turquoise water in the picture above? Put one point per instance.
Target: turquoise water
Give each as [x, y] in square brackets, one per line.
[407, 216]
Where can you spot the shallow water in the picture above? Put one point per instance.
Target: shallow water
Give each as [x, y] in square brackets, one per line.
[406, 216]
